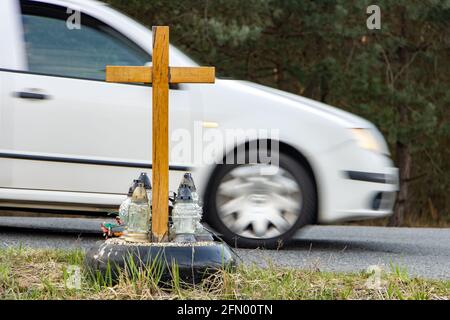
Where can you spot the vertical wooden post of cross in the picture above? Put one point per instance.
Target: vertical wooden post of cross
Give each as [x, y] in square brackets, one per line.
[160, 127]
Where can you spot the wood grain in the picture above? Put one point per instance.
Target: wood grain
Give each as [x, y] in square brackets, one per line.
[160, 151]
[128, 74]
[192, 75]
[177, 75]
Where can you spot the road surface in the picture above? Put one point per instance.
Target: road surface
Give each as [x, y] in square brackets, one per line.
[423, 252]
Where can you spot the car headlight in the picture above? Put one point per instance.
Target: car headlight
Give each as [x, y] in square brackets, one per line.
[366, 140]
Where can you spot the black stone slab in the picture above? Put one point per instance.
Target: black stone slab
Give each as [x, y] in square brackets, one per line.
[195, 261]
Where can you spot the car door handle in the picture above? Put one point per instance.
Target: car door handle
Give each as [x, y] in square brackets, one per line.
[31, 95]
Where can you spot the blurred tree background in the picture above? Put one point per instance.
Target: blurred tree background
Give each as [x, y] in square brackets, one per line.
[397, 77]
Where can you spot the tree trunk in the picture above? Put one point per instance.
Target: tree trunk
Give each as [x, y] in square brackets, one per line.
[401, 206]
[403, 149]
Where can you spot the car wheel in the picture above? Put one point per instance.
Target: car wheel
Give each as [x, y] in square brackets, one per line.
[253, 210]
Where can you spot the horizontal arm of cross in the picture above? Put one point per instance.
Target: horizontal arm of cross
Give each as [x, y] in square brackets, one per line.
[124, 74]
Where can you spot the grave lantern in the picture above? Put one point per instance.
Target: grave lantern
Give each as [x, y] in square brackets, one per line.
[186, 213]
[139, 216]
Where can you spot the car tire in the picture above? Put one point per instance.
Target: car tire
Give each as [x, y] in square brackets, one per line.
[218, 212]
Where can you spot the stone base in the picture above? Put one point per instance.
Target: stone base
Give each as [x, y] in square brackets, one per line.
[195, 261]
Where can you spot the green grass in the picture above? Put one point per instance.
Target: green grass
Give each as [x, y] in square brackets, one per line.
[44, 274]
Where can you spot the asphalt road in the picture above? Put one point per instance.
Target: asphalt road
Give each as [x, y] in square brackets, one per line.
[423, 252]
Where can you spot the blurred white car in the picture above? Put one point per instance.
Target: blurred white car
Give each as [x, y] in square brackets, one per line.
[70, 141]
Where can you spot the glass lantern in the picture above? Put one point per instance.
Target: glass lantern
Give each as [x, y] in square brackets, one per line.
[139, 216]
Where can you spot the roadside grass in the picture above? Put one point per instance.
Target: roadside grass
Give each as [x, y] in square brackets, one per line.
[45, 274]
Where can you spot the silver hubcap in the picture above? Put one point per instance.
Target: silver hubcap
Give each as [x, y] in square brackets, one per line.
[258, 206]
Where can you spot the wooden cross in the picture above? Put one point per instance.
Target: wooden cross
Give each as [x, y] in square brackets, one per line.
[160, 75]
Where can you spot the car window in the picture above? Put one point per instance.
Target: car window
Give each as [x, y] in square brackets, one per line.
[54, 48]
